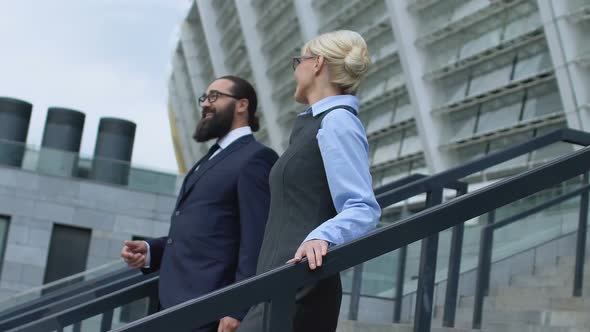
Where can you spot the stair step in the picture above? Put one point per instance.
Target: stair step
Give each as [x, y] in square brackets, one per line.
[570, 261]
[355, 326]
[546, 280]
[549, 291]
[508, 327]
[554, 318]
[565, 270]
[541, 302]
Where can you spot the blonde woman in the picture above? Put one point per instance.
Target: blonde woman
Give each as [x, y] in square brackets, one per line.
[321, 192]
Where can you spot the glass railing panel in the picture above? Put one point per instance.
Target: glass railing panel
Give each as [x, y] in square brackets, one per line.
[37, 292]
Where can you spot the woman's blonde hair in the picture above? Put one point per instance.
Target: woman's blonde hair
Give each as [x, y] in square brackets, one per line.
[346, 54]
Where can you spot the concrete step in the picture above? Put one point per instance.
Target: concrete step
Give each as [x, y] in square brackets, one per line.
[570, 261]
[555, 318]
[531, 302]
[508, 327]
[556, 280]
[354, 326]
[530, 291]
[563, 269]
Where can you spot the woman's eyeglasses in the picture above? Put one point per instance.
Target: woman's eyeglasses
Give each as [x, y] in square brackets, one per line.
[298, 59]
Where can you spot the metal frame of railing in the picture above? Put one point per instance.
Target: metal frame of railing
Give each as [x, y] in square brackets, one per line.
[65, 287]
[459, 187]
[486, 246]
[402, 192]
[280, 285]
[432, 185]
[77, 295]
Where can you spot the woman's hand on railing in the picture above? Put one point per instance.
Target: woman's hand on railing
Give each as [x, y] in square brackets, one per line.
[314, 250]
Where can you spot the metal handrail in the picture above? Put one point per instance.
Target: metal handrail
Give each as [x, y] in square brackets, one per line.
[280, 285]
[419, 186]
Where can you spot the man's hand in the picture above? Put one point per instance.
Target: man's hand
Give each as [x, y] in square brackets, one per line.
[228, 324]
[134, 253]
[314, 250]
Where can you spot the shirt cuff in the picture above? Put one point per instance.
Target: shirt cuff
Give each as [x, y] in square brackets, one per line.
[146, 265]
[319, 234]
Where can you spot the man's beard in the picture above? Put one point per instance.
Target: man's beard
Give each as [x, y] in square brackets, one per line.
[217, 126]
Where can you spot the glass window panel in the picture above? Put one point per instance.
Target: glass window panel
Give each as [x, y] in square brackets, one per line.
[490, 80]
[542, 101]
[386, 149]
[522, 26]
[532, 65]
[506, 142]
[380, 120]
[470, 152]
[455, 92]
[500, 113]
[365, 117]
[462, 124]
[483, 42]
[580, 41]
[403, 110]
[419, 166]
[554, 150]
[411, 143]
[467, 8]
[394, 82]
[436, 17]
[394, 173]
[444, 54]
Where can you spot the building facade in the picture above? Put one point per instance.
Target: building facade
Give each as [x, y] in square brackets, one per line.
[451, 80]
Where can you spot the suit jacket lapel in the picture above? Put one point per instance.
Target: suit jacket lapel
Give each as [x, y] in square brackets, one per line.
[191, 179]
[186, 177]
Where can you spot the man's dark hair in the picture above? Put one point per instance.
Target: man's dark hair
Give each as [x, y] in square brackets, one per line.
[243, 89]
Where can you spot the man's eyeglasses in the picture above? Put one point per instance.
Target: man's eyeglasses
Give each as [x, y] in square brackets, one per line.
[213, 95]
[298, 59]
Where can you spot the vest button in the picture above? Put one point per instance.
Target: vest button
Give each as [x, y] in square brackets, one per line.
[177, 213]
[169, 241]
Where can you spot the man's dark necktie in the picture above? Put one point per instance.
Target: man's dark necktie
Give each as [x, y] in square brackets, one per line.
[201, 164]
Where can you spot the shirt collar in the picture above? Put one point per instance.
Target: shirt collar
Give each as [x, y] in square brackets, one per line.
[332, 101]
[233, 136]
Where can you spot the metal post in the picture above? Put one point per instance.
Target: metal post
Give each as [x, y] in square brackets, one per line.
[453, 276]
[106, 324]
[427, 272]
[355, 292]
[482, 283]
[581, 242]
[399, 284]
[153, 304]
[402, 256]
[282, 310]
[453, 273]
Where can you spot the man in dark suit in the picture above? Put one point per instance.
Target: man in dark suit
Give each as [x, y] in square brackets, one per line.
[218, 224]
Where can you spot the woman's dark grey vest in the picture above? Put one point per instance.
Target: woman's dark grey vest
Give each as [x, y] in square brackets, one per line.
[300, 195]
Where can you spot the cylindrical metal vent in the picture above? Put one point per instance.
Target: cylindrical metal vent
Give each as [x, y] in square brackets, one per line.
[61, 141]
[113, 149]
[15, 116]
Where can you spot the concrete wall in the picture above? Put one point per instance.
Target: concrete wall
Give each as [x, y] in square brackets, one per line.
[36, 202]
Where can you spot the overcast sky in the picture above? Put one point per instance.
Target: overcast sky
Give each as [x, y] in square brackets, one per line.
[102, 57]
